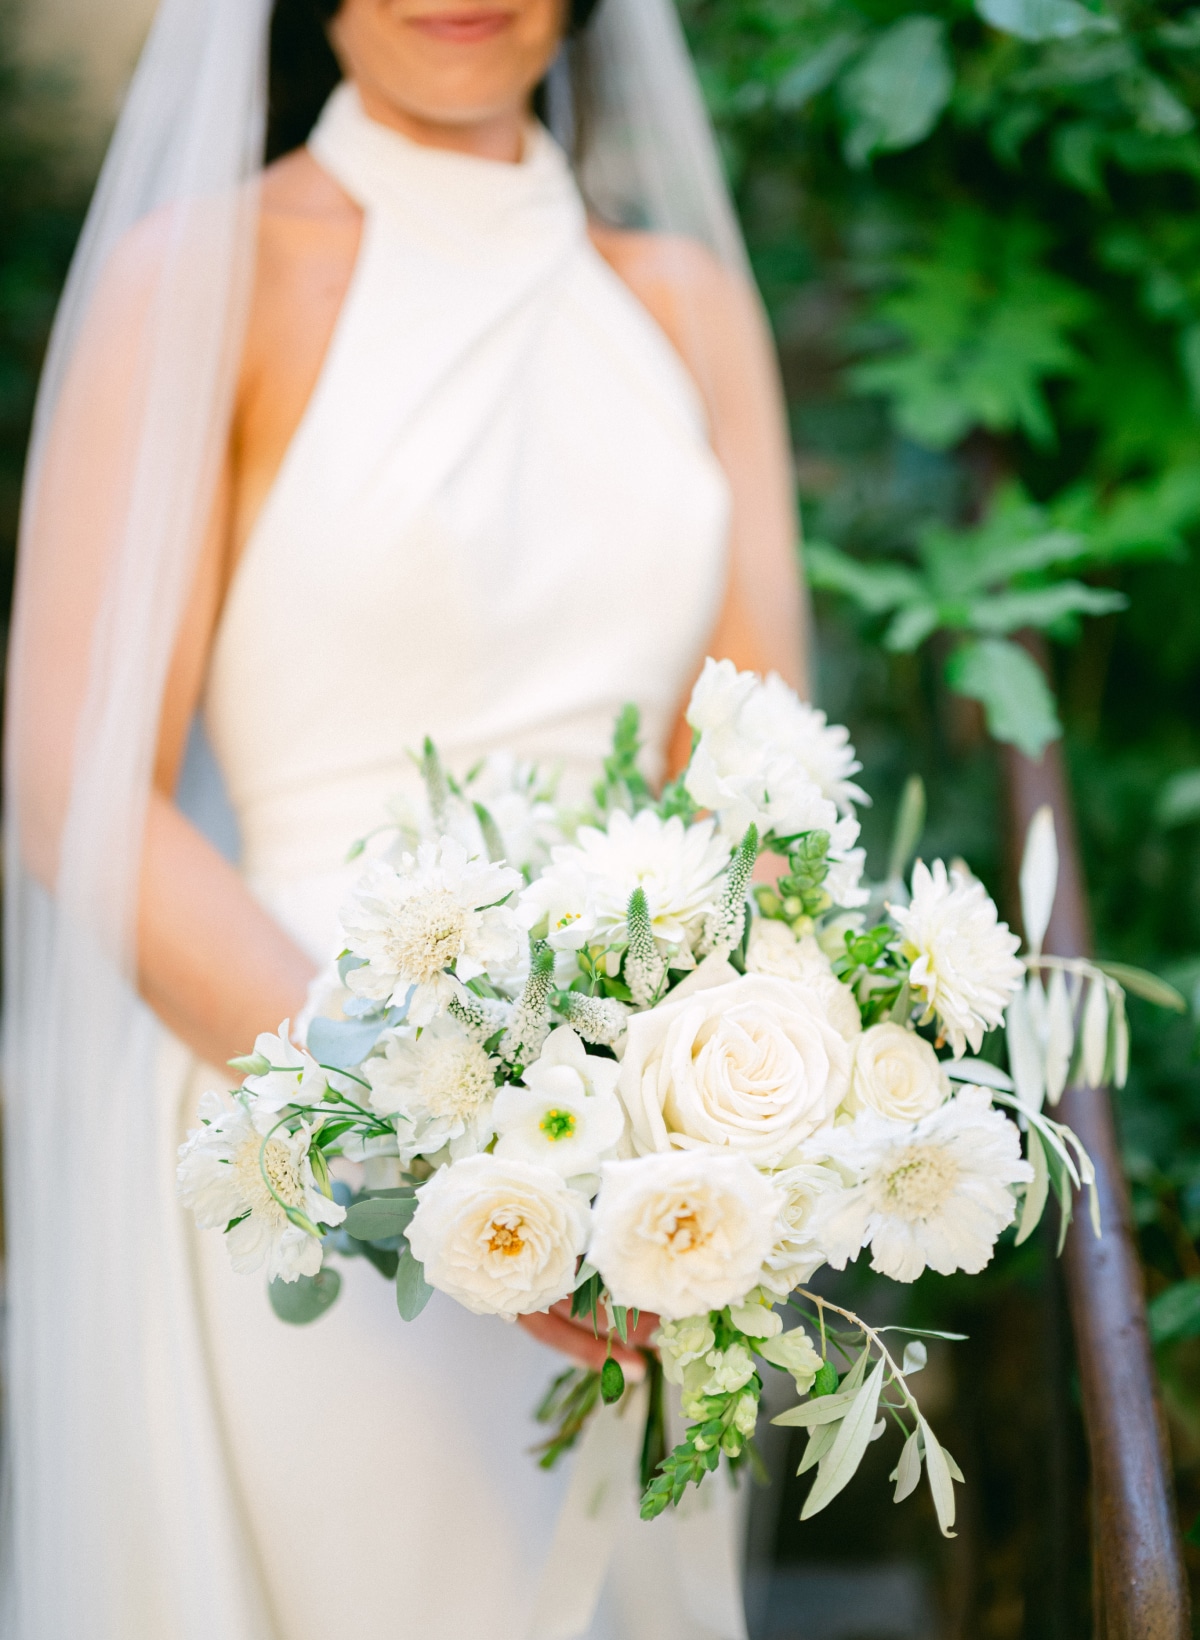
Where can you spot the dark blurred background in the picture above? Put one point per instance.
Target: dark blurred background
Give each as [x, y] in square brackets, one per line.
[977, 231]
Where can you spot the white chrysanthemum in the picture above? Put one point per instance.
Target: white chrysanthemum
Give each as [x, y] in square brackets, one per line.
[500, 1236]
[567, 1116]
[774, 713]
[294, 1077]
[440, 1083]
[962, 957]
[682, 1233]
[764, 757]
[434, 921]
[220, 1177]
[584, 895]
[796, 1253]
[936, 1194]
[896, 1074]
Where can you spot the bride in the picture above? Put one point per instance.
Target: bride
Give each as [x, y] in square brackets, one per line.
[395, 436]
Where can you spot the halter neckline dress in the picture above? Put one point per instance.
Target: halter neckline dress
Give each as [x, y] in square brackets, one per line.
[498, 521]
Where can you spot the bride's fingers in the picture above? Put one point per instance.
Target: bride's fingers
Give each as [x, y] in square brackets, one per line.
[639, 1336]
[579, 1342]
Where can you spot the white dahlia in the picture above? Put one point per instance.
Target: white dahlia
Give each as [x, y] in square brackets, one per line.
[430, 923]
[775, 713]
[936, 1193]
[962, 958]
[584, 894]
[221, 1178]
[439, 1082]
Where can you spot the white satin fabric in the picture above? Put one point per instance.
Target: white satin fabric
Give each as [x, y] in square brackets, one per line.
[498, 521]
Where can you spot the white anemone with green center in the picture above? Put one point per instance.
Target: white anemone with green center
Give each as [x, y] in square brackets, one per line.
[567, 1116]
[935, 1193]
[432, 922]
[221, 1178]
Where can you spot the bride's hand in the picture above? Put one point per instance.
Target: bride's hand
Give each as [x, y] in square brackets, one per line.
[574, 1337]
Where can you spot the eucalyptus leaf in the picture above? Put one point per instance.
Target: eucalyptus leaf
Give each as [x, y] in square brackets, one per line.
[1039, 877]
[1012, 690]
[376, 1218]
[843, 1458]
[301, 1301]
[342, 1043]
[413, 1292]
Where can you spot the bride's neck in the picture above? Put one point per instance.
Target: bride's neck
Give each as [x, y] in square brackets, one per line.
[497, 137]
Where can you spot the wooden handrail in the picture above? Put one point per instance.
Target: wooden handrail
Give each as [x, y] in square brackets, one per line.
[1139, 1580]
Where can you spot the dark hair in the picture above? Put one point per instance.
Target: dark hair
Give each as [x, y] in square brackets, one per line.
[303, 69]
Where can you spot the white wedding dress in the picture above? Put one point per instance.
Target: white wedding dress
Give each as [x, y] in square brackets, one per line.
[498, 521]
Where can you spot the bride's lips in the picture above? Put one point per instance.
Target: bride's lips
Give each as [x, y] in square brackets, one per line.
[463, 28]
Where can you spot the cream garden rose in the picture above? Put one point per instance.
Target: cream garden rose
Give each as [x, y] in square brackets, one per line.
[682, 1233]
[774, 949]
[896, 1073]
[500, 1236]
[754, 1064]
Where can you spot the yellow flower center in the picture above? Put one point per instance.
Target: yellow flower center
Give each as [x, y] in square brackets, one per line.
[506, 1238]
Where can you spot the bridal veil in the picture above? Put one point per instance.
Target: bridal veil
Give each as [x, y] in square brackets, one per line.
[118, 1518]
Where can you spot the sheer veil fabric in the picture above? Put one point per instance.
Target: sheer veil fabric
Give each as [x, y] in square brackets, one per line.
[119, 1518]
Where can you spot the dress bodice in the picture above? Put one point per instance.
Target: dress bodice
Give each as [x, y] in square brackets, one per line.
[499, 519]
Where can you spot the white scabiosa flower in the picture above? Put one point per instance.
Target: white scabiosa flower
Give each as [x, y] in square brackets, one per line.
[221, 1179]
[896, 1074]
[796, 1252]
[432, 922]
[754, 1064]
[682, 1233]
[962, 958]
[500, 1236]
[584, 895]
[440, 1084]
[293, 1077]
[935, 1194]
[567, 1116]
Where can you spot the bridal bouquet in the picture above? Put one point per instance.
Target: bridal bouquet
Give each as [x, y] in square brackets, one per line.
[588, 1058]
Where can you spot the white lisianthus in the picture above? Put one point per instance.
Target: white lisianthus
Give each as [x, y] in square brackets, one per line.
[774, 949]
[962, 957]
[294, 1077]
[754, 1064]
[220, 1177]
[500, 1236]
[440, 1084]
[936, 1194]
[793, 1351]
[584, 894]
[431, 923]
[682, 1233]
[897, 1074]
[796, 1253]
[679, 1343]
[567, 1116]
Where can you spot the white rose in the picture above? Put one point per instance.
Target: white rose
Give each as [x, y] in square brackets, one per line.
[797, 1252]
[773, 949]
[896, 1074]
[501, 1237]
[682, 1233]
[754, 1064]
